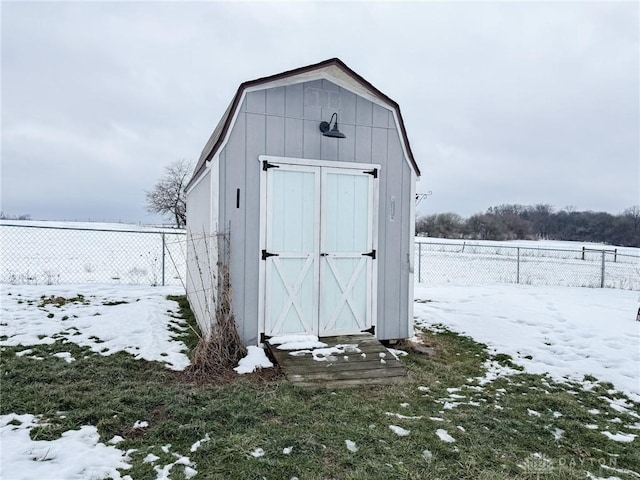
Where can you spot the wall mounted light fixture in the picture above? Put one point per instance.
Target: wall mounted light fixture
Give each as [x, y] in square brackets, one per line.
[327, 131]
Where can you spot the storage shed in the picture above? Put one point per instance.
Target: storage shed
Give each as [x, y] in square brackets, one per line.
[311, 175]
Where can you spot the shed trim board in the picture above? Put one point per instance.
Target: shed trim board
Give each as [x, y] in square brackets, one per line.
[412, 252]
[329, 70]
[364, 270]
[214, 165]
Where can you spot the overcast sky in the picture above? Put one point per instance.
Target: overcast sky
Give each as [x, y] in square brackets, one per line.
[504, 103]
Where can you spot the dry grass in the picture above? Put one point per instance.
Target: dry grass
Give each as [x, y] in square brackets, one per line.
[215, 356]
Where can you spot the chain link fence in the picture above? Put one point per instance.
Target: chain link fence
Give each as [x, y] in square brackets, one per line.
[468, 263]
[31, 254]
[35, 254]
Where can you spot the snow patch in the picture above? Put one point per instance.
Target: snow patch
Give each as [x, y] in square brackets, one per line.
[296, 342]
[257, 453]
[620, 436]
[331, 354]
[546, 329]
[403, 417]
[66, 356]
[401, 432]
[427, 455]
[150, 458]
[351, 446]
[199, 443]
[141, 326]
[255, 359]
[397, 353]
[73, 455]
[444, 436]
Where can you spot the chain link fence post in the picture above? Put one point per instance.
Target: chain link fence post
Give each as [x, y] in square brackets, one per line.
[518, 267]
[419, 262]
[164, 244]
[602, 271]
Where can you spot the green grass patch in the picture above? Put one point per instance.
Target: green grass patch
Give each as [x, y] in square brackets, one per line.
[58, 301]
[191, 334]
[510, 427]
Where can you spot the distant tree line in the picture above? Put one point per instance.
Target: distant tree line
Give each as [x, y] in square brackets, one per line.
[510, 222]
[8, 216]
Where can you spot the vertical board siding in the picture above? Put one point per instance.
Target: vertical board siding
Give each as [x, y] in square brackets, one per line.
[393, 237]
[199, 284]
[378, 147]
[311, 138]
[284, 121]
[347, 146]
[255, 146]
[275, 101]
[294, 137]
[380, 116]
[328, 147]
[235, 178]
[347, 107]
[275, 135]
[256, 102]
[364, 145]
[314, 113]
[294, 100]
[405, 208]
[364, 111]
[223, 224]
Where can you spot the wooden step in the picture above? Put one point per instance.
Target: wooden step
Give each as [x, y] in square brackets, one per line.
[349, 369]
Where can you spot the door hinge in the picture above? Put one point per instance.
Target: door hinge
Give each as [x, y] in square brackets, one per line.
[264, 338]
[371, 330]
[266, 254]
[266, 165]
[371, 254]
[373, 173]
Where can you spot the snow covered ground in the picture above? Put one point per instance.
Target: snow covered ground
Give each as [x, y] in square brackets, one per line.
[563, 331]
[105, 318]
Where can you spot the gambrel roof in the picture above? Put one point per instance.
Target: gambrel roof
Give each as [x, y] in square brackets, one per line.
[334, 70]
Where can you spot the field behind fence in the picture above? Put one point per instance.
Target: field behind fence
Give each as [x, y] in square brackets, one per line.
[53, 253]
[38, 254]
[554, 263]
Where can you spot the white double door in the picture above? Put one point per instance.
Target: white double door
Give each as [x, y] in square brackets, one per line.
[319, 249]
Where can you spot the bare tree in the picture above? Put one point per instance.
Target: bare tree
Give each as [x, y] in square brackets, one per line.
[168, 197]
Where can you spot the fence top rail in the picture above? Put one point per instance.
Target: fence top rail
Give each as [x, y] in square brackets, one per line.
[87, 229]
[578, 250]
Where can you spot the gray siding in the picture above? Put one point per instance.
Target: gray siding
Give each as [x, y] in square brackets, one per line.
[284, 121]
[199, 284]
